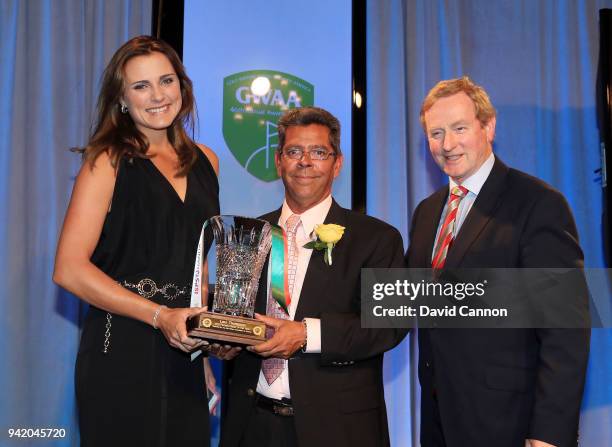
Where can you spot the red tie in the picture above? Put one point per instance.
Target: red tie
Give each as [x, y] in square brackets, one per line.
[445, 238]
[273, 367]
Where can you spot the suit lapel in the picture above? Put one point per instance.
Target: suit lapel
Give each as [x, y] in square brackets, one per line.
[483, 209]
[432, 213]
[319, 274]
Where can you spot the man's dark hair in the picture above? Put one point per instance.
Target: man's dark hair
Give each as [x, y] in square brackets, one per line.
[303, 116]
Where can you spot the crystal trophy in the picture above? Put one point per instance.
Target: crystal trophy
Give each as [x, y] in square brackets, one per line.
[241, 246]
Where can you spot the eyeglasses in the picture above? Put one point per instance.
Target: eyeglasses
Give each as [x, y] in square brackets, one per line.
[317, 153]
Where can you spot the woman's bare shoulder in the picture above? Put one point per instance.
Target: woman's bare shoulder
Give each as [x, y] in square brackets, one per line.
[210, 154]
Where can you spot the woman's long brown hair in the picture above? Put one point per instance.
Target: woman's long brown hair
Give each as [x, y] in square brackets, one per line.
[115, 132]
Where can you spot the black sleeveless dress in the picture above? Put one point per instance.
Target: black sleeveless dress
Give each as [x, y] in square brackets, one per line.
[132, 387]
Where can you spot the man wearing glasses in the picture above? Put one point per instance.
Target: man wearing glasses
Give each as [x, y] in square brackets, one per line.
[318, 380]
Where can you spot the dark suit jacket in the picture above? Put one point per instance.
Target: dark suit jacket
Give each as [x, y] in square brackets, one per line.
[337, 394]
[499, 387]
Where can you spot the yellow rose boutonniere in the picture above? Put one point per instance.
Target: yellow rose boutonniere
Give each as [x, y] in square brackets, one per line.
[328, 236]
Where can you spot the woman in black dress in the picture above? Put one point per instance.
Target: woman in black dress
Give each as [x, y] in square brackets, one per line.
[128, 248]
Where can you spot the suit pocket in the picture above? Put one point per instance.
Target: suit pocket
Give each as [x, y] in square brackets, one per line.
[510, 379]
[360, 399]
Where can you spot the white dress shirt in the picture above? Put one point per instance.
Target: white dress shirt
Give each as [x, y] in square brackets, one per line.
[315, 215]
[473, 184]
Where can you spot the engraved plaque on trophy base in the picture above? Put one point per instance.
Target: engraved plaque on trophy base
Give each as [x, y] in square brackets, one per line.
[227, 328]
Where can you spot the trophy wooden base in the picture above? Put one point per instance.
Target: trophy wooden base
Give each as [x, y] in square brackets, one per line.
[227, 328]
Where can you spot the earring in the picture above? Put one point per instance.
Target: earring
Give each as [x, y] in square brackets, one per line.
[124, 108]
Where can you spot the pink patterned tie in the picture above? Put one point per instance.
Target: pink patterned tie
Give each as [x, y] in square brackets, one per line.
[273, 367]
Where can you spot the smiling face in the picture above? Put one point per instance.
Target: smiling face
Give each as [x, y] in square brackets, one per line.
[307, 182]
[458, 142]
[152, 93]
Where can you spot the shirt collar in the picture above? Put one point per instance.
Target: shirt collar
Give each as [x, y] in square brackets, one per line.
[310, 217]
[474, 183]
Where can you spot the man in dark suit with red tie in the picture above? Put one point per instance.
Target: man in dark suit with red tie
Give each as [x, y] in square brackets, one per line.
[488, 387]
[319, 380]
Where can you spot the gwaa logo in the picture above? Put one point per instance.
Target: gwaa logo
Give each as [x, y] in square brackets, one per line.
[249, 118]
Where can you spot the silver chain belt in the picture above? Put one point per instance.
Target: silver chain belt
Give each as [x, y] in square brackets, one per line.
[107, 333]
[146, 288]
